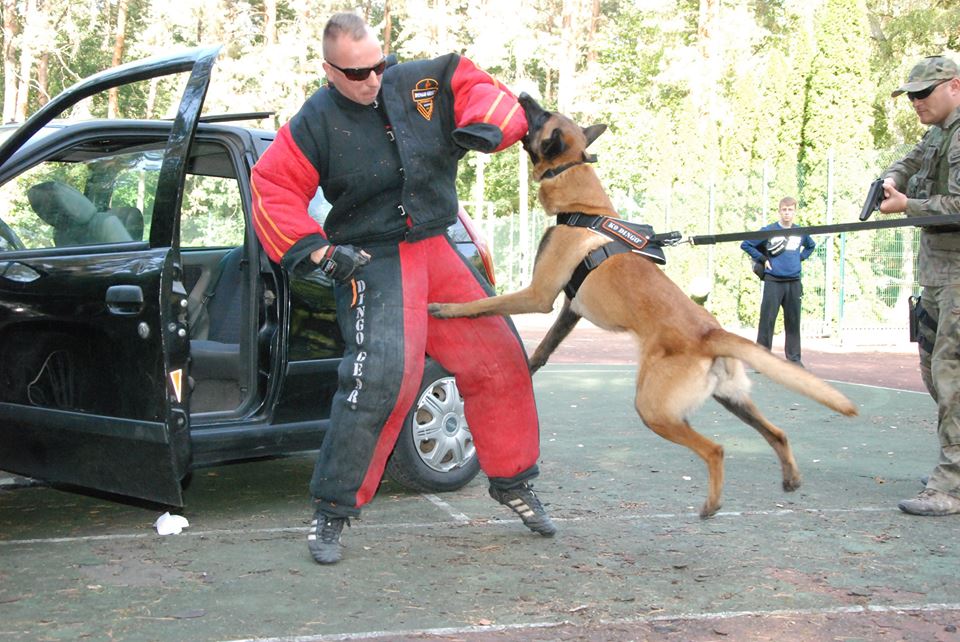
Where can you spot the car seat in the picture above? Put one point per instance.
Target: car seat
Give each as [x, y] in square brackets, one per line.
[216, 346]
[132, 220]
[75, 220]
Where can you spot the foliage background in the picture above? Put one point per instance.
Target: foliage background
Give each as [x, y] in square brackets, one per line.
[715, 109]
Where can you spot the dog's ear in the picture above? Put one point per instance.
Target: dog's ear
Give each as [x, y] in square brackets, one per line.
[593, 132]
[554, 145]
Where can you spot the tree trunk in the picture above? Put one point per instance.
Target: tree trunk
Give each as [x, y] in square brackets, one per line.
[523, 194]
[152, 97]
[26, 60]
[387, 28]
[270, 21]
[113, 105]
[9, 60]
[43, 68]
[567, 65]
[705, 88]
[594, 18]
[708, 47]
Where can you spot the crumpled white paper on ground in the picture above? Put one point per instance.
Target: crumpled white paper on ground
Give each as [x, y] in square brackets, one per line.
[168, 524]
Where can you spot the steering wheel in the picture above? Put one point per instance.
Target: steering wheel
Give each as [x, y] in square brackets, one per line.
[9, 239]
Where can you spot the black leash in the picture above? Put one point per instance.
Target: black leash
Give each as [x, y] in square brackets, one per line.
[912, 221]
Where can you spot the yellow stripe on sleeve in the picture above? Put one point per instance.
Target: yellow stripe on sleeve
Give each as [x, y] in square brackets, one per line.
[503, 124]
[493, 107]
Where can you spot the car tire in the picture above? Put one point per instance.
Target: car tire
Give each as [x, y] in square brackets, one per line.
[435, 450]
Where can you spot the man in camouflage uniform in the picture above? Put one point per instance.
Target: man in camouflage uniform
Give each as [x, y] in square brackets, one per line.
[927, 182]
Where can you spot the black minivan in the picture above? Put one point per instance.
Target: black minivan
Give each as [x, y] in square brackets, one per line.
[144, 333]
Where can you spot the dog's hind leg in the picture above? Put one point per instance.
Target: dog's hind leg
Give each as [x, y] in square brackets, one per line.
[561, 327]
[680, 432]
[745, 410]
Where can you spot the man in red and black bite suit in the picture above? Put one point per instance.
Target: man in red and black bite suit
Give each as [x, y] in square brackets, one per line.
[383, 143]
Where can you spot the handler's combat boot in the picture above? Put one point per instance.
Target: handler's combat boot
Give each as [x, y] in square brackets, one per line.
[931, 503]
[323, 540]
[524, 502]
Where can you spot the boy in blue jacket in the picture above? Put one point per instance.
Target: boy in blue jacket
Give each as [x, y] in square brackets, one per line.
[781, 257]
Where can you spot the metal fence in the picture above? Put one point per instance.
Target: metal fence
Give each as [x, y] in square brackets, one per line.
[856, 285]
[864, 298]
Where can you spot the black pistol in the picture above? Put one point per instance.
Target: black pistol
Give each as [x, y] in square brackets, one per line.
[874, 198]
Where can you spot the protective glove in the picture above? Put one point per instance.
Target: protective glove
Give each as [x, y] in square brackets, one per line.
[339, 262]
[482, 137]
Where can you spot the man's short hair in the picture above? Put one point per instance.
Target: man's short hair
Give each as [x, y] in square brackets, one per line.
[788, 201]
[343, 24]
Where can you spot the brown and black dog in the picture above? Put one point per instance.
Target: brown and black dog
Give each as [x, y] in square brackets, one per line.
[684, 355]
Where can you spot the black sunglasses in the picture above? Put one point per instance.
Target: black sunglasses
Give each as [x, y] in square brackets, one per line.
[920, 95]
[361, 73]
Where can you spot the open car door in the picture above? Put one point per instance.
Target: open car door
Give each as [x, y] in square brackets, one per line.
[94, 345]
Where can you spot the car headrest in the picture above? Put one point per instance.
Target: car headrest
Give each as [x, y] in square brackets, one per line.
[132, 219]
[60, 205]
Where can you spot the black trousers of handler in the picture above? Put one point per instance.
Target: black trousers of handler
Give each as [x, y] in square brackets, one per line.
[382, 313]
[776, 295]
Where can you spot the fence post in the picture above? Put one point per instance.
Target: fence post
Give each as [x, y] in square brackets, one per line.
[843, 266]
[710, 226]
[524, 255]
[479, 192]
[829, 254]
[764, 195]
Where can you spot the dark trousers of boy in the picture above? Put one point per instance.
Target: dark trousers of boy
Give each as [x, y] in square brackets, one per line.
[781, 294]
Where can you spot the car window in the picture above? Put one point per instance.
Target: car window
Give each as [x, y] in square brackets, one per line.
[212, 210]
[84, 196]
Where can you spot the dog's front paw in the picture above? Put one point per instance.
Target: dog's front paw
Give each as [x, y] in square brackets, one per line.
[440, 310]
[793, 483]
[535, 364]
[709, 510]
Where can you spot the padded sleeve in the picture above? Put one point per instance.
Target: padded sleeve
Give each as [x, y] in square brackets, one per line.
[484, 109]
[283, 183]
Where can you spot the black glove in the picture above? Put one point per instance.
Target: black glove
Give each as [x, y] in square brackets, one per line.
[482, 137]
[339, 262]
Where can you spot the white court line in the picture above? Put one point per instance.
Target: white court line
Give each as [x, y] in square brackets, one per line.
[461, 518]
[587, 367]
[867, 385]
[447, 508]
[643, 619]
[571, 368]
[691, 516]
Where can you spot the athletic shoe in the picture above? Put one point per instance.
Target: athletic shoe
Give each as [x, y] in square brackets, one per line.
[931, 503]
[524, 502]
[323, 540]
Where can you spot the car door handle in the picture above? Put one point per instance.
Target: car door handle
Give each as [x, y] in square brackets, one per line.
[124, 299]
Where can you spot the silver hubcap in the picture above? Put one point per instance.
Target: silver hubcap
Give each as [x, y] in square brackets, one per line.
[440, 430]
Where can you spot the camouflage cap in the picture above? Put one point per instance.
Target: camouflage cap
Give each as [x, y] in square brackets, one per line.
[927, 73]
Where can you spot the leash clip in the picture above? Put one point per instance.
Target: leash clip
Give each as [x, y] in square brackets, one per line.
[669, 238]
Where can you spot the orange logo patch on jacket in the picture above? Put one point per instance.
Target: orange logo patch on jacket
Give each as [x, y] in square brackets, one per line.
[424, 94]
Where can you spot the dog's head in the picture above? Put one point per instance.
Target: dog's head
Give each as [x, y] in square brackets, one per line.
[554, 141]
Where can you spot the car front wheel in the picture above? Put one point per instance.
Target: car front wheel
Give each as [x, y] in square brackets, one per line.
[435, 450]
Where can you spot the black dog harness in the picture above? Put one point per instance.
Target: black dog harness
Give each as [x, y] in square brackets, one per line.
[628, 237]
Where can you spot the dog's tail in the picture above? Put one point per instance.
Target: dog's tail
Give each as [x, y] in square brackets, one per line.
[788, 375]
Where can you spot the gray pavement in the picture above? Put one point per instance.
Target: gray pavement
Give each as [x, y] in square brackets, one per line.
[632, 561]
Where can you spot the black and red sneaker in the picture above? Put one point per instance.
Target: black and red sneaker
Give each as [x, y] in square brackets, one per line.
[525, 503]
[323, 539]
